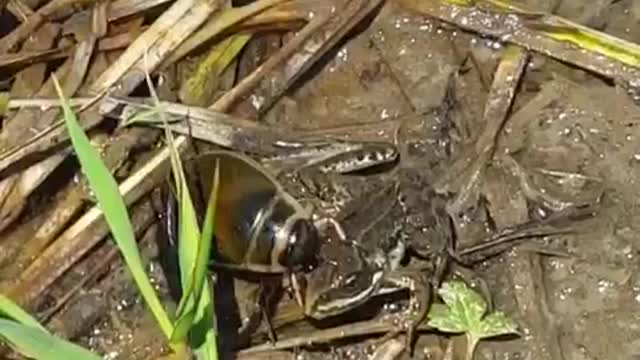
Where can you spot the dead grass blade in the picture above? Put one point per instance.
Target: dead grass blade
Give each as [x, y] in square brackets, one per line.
[28, 26]
[199, 87]
[547, 34]
[162, 37]
[24, 58]
[217, 25]
[283, 69]
[466, 174]
[30, 79]
[18, 187]
[379, 325]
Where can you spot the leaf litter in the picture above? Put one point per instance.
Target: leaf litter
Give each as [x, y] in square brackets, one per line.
[546, 129]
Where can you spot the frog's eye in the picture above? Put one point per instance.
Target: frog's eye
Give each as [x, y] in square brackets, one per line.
[302, 245]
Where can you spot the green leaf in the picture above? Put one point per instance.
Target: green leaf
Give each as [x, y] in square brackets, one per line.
[188, 245]
[465, 305]
[440, 318]
[115, 212]
[204, 246]
[11, 310]
[37, 344]
[496, 324]
[465, 312]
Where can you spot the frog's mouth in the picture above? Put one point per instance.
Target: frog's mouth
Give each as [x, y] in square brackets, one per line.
[353, 291]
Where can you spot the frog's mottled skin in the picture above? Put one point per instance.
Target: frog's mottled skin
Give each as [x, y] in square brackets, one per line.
[382, 214]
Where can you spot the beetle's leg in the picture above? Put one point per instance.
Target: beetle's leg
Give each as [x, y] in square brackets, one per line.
[325, 223]
[298, 289]
[168, 245]
[265, 307]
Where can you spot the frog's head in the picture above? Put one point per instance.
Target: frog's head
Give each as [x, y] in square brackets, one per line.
[343, 281]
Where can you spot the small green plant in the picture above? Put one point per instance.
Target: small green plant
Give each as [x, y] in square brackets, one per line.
[465, 311]
[28, 337]
[193, 330]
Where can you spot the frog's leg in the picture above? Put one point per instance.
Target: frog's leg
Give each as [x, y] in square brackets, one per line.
[325, 177]
[366, 156]
[506, 239]
[418, 284]
[559, 221]
[511, 236]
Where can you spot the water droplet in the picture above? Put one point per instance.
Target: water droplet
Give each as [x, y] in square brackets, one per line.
[257, 101]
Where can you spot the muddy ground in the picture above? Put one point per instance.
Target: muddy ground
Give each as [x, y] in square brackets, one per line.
[585, 299]
[576, 296]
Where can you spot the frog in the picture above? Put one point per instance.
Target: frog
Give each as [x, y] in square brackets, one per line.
[410, 216]
[365, 261]
[370, 262]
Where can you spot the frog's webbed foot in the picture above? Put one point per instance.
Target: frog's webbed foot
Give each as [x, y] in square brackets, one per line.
[419, 287]
[556, 224]
[548, 214]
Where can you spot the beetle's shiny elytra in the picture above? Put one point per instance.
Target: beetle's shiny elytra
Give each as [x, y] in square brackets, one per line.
[258, 226]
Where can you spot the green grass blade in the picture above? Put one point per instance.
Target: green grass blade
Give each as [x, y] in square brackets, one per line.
[595, 42]
[203, 332]
[37, 344]
[140, 117]
[196, 279]
[188, 243]
[4, 102]
[188, 234]
[11, 310]
[563, 30]
[206, 237]
[115, 212]
[461, 2]
[201, 326]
